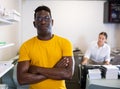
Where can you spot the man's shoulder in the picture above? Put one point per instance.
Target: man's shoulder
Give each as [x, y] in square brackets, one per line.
[60, 38]
[29, 41]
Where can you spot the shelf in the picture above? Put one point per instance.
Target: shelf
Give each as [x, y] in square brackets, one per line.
[6, 45]
[9, 17]
[4, 21]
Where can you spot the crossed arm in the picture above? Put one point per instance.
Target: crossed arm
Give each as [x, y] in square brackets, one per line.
[27, 74]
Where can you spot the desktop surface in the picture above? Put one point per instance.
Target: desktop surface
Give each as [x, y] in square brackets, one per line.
[102, 83]
[4, 68]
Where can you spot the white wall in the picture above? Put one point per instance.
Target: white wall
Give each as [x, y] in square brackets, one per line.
[79, 21]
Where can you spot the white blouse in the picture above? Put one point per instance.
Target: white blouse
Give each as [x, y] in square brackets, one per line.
[98, 54]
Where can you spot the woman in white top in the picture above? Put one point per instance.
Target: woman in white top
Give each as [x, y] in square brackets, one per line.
[98, 52]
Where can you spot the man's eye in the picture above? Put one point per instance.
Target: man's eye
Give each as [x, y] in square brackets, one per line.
[46, 18]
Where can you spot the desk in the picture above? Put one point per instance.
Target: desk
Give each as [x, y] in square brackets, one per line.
[102, 83]
[4, 68]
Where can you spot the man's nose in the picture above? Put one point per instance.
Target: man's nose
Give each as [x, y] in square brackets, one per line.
[43, 21]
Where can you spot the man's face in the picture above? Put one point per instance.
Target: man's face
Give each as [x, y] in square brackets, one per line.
[43, 22]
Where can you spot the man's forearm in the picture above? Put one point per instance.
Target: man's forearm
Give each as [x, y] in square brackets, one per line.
[62, 70]
[25, 77]
[52, 73]
[31, 79]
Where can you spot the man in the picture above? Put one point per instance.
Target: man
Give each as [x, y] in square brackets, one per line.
[45, 60]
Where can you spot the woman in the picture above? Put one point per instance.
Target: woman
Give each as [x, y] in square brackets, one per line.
[98, 52]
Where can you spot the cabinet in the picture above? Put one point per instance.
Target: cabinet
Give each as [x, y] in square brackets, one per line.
[9, 17]
[3, 21]
[9, 28]
[9, 34]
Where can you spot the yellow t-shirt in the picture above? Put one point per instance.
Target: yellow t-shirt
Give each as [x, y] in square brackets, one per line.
[46, 54]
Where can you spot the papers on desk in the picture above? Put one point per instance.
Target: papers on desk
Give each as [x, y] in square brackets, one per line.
[94, 74]
[110, 71]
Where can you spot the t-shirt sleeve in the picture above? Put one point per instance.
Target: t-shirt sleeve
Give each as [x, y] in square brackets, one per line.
[67, 48]
[23, 53]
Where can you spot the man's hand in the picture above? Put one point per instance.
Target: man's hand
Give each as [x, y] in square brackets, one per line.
[33, 69]
[63, 63]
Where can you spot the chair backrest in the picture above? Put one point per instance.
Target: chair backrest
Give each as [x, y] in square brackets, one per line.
[15, 79]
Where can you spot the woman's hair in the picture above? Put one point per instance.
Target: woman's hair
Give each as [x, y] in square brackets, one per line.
[104, 33]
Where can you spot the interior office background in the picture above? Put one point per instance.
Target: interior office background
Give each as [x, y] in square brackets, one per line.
[80, 21]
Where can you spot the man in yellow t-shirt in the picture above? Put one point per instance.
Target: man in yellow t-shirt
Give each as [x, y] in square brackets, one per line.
[45, 61]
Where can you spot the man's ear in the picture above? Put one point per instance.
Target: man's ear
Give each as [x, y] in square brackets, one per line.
[52, 22]
[34, 24]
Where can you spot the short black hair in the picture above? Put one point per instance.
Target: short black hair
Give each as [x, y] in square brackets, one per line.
[104, 33]
[40, 8]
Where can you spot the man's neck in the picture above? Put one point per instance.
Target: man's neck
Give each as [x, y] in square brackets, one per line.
[48, 37]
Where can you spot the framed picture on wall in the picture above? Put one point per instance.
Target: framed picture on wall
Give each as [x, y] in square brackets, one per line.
[112, 12]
